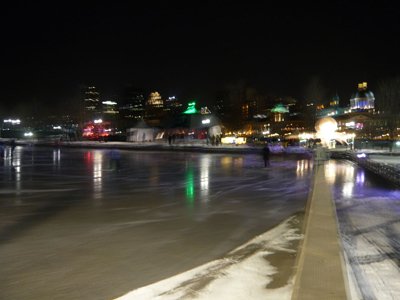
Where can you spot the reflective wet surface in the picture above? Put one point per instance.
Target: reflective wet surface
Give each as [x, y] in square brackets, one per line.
[368, 210]
[95, 224]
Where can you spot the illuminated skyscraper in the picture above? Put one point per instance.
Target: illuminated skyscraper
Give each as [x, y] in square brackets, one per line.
[133, 104]
[91, 102]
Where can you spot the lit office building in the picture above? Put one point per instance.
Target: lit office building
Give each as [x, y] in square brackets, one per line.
[91, 100]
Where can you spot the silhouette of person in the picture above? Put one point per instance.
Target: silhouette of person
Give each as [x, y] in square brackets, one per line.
[12, 145]
[265, 153]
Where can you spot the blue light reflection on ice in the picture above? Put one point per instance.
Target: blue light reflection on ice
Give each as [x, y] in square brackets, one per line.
[347, 174]
[360, 177]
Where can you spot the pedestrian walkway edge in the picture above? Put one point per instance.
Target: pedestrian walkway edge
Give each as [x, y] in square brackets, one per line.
[320, 267]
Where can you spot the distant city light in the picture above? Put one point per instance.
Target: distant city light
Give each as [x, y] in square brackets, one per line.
[56, 127]
[28, 133]
[206, 121]
[12, 121]
[260, 116]
[361, 155]
[233, 140]
[109, 102]
[97, 121]
[205, 111]
[306, 136]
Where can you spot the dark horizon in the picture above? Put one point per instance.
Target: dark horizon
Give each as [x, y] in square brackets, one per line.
[51, 50]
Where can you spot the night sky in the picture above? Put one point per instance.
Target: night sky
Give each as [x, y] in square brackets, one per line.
[192, 49]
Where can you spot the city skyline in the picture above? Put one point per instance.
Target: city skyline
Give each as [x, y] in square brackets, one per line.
[50, 51]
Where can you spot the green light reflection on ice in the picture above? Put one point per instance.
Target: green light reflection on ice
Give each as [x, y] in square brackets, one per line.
[189, 186]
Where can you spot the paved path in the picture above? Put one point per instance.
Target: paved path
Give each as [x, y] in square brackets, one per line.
[321, 271]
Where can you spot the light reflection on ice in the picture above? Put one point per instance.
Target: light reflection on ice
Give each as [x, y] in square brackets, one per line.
[56, 157]
[360, 177]
[226, 161]
[204, 177]
[349, 172]
[189, 181]
[303, 168]
[97, 174]
[348, 189]
[94, 161]
[330, 172]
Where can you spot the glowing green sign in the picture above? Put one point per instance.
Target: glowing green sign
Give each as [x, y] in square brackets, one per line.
[191, 109]
[279, 108]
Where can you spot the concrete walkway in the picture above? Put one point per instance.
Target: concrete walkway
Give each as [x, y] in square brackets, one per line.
[321, 270]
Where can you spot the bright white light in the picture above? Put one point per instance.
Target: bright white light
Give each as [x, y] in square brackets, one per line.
[228, 140]
[56, 127]
[326, 128]
[398, 143]
[13, 121]
[361, 155]
[205, 121]
[109, 102]
[98, 121]
[233, 140]
[305, 136]
[350, 124]
[28, 133]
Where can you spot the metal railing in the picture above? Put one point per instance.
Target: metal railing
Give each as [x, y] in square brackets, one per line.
[390, 172]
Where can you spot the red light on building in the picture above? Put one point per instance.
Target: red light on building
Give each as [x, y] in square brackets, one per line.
[96, 131]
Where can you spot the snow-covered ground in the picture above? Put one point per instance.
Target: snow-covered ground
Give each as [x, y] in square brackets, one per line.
[244, 273]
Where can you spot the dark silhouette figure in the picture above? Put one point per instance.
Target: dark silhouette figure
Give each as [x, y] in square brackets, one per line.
[265, 154]
[2, 150]
[115, 157]
[12, 145]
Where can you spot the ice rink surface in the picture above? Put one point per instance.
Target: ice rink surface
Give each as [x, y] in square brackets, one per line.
[368, 210]
[96, 224]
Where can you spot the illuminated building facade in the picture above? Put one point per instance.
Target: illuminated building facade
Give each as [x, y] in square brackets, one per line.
[172, 105]
[155, 100]
[132, 105]
[363, 99]
[92, 105]
[109, 110]
[154, 110]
